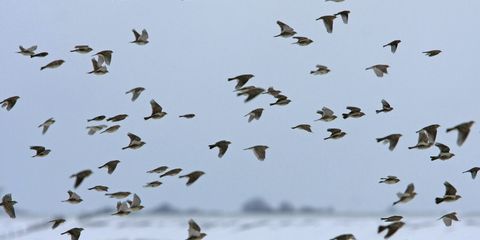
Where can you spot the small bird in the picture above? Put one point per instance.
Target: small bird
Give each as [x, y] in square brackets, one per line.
[53, 64]
[45, 125]
[110, 129]
[153, 184]
[98, 67]
[74, 233]
[327, 115]
[431, 131]
[80, 176]
[272, 91]
[111, 166]
[463, 131]
[97, 118]
[444, 154]
[389, 180]
[305, 127]
[394, 218]
[192, 177]
[157, 111]
[448, 218]
[122, 209]
[450, 194]
[282, 100]
[355, 112]
[321, 70]
[106, 54]
[118, 195]
[385, 107]
[187, 116]
[392, 228]
[27, 51]
[344, 15]
[99, 188]
[302, 41]
[40, 54]
[259, 151]
[73, 198]
[8, 103]
[117, 118]
[135, 204]
[82, 49]
[254, 114]
[393, 45]
[473, 171]
[194, 231]
[251, 92]
[160, 169]
[222, 147]
[392, 139]
[135, 92]
[241, 79]
[432, 53]
[379, 69]
[140, 39]
[135, 142]
[285, 30]
[406, 196]
[171, 172]
[347, 236]
[57, 222]
[423, 140]
[40, 151]
[335, 133]
[94, 129]
[328, 22]
[7, 204]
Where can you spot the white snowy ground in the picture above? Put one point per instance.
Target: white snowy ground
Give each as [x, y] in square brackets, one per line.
[240, 227]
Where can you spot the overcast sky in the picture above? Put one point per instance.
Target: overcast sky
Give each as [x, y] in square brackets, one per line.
[195, 45]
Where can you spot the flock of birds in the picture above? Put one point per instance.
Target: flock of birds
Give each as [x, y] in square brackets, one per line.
[102, 59]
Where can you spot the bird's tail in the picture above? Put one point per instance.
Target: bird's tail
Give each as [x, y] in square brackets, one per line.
[438, 200]
[395, 203]
[312, 72]
[433, 158]
[271, 104]
[381, 228]
[231, 79]
[146, 118]
[124, 148]
[211, 146]
[42, 68]
[412, 147]
[345, 115]
[378, 111]
[385, 45]
[450, 129]
[380, 139]
[326, 138]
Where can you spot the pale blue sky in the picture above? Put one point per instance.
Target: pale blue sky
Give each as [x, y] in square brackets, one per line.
[195, 45]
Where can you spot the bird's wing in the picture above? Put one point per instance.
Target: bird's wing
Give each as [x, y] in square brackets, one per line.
[193, 229]
[385, 104]
[133, 137]
[144, 35]
[354, 109]
[137, 35]
[32, 48]
[328, 24]
[136, 200]
[334, 130]
[378, 72]
[327, 111]
[156, 108]
[462, 135]
[443, 148]
[284, 27]
[410, 188]
[259, 153]
[449, 189]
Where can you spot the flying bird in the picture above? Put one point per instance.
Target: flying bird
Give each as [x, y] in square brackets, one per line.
[118, 195]
[241, 80]
[117, 118]
[222, 147]
[7, 204]
[40, 54]
[282, 100]
[73, 198]
[344, 15]
[259, 151]
[450, 194]
[94, 129]
[305, 127]
[99, 188]
[57, 222]
[122, 209]
[392, 228]
[8, 103]
[160, 169]
[106, 55]
[74, 233]
[171, 172]
[328, 22]
[444, 154]
[379, 69]
[157, 111]
[432, 53]
[111, 166]
[448, 218]
[302, 41]
[53, 64]
[27, 51]
[254, 114]
[140, 39]
[194, 231]
[83, 49]
[327, 115]
[45, 125]
[153, 184]
[97, 118]
[192, 177]
[135, 204]
[335, 133]
[80, 176]
[40, 151]
[389, 180]
[391, 139]
[385, 107]
[473, 171]
[321, 70]
[355, 112]
[187, 116]
[394, 218]
[431, 131]
[135, 142]
[110, 129]
[285, 30]
[423, 140]
[406, 196]
[98, 67]
[347, 236]
[135, 92]
[393, 45]
[272, 91]
[463, 131]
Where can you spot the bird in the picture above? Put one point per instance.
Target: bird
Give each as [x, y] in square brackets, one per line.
[53, 64]
[251, 92]
[135, 204]
[153, 184]
[94, 129]
[473, 171]
[355, 112]
[321, 70]
[192, 177]
[27, 51]
[406, 196]
[74, 233]
[423, 140]
[110, 129]
[122, 209]
[335, 133]
[389, 180]
[305, 127]
[118, 195]
[117, 118]
[254, 114]
[7, 204]
[194, 231]
[140, 39]
[157, 111]
[282, 100]
[82, 49]
[80, 176]
[463, 131]
[328, 22]
[98, 67]
[222, 147]
[394, 218]
[379, 69]
[450, 194]
[392, 139]
[241, 79]
[106, 55]
[392, 228]
[40, 54]
[272, 91]
[431, 131]
[111, 165]
[327, 115]
[385, 107]
[57, 222]
[285, 30]
[99, 188]
[259, 151]
[302, 41]
[8, 103]
[334, 0]
[171, 172]
[344, 14]
[393, 45]
[73, 198]
[444, 154]
[45, 125]
[135, 142]
[449, 218]
[160, 169]
[135, 92]
[432, 53]
[40, 151]
[97, 118]
[347, 236]
[187, 116]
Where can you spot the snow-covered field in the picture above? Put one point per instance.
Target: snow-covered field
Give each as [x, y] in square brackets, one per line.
[239, 227]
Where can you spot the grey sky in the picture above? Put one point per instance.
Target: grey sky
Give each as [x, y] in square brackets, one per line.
[195, 45]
